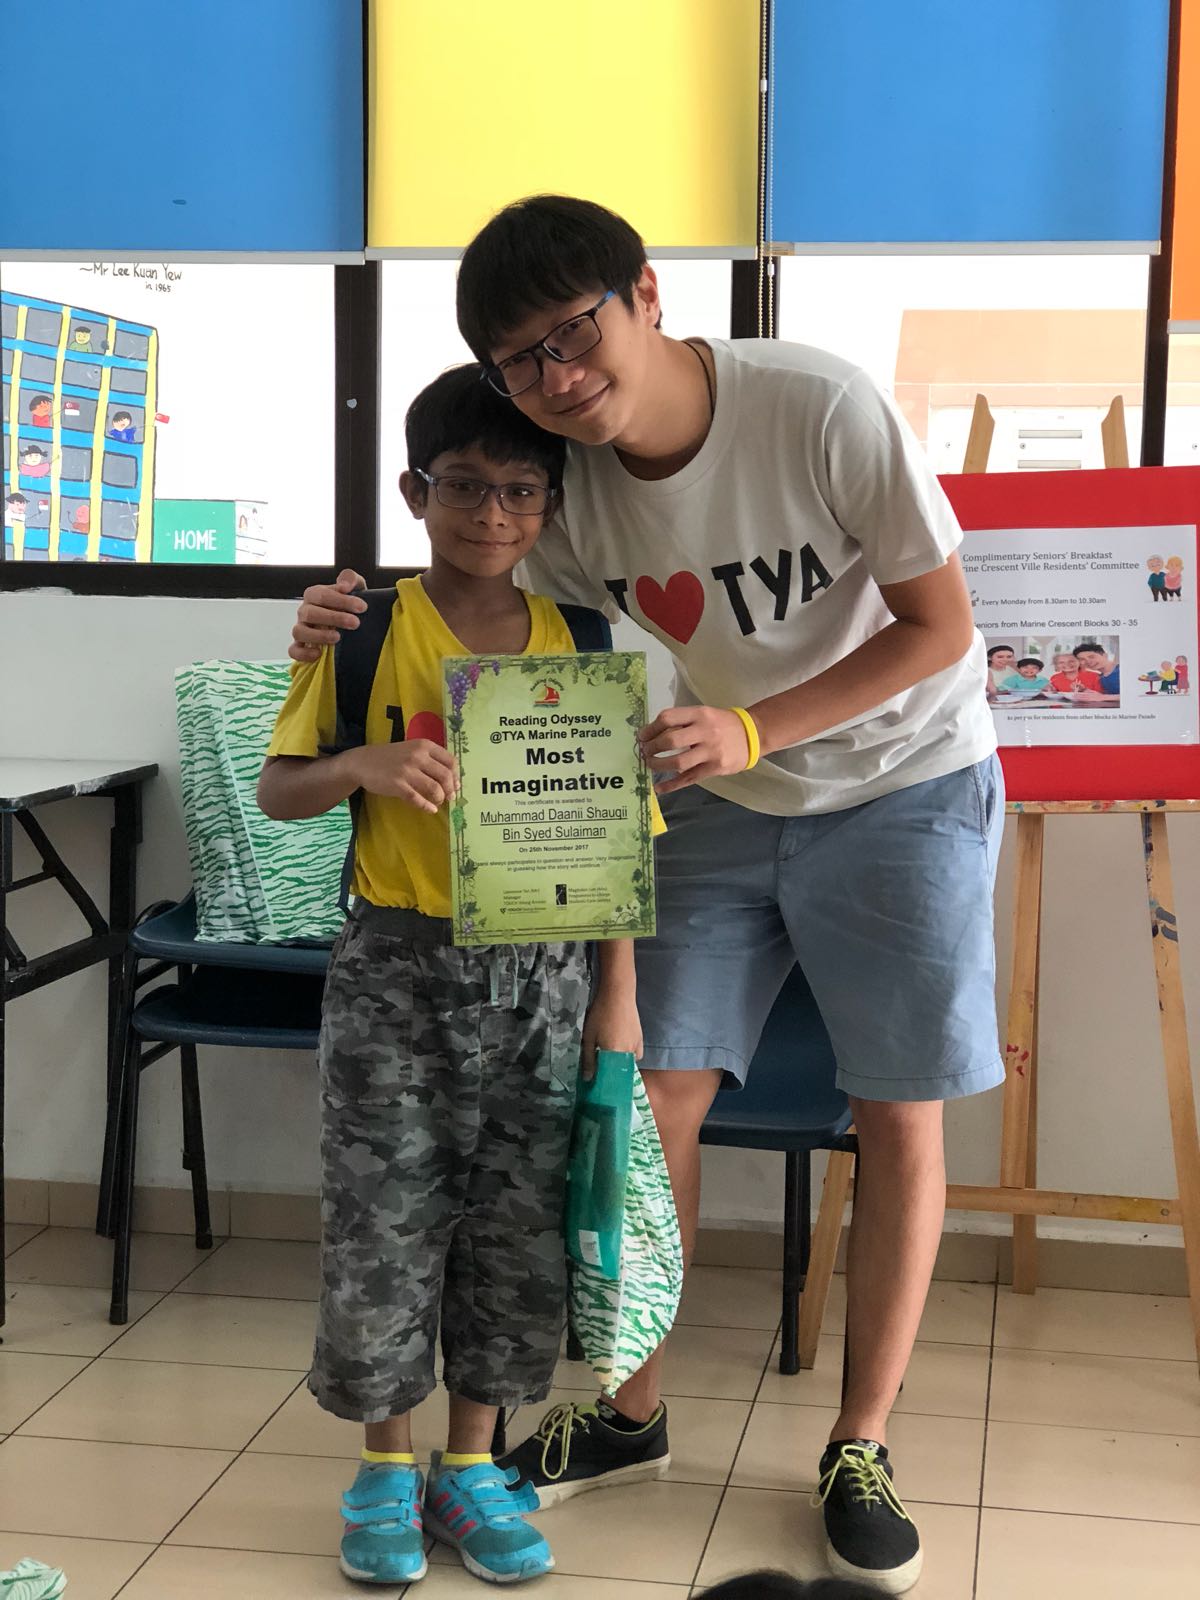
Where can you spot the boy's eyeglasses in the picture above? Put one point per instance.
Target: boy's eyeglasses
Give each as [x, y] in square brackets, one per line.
[466, 494]
[567, 342]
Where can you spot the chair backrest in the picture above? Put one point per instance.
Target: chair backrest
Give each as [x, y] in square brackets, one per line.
[791, 1099]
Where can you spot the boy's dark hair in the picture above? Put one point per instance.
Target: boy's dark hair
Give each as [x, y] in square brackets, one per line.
[1030, 661]
[538, 252]
[41, 400]
[767, 1585]
[27, 447]
[15, 499]
[459, 410]
[996, 649]
[117, 415]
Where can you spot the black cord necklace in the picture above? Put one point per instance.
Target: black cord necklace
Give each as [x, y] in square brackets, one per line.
[708, 383]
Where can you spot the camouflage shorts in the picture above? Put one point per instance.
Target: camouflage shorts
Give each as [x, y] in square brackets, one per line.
[447, 1092]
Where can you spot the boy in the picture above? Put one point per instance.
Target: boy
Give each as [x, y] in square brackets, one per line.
[447, 1074]
[122, 427]
[1027, 680]
[41, 411]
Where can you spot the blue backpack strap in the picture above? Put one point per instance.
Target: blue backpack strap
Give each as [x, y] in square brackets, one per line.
[355, 659]
[589, 629]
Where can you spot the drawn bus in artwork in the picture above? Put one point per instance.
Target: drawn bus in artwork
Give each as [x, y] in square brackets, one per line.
[80, 400]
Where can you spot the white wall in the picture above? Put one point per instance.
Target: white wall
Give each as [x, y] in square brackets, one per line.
[92, 677]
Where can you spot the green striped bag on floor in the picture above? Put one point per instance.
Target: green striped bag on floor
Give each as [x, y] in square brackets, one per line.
[256, 881]
[620, 1324]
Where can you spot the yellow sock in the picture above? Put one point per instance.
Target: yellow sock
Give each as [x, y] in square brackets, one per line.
[454, 1459]
[392, 1458]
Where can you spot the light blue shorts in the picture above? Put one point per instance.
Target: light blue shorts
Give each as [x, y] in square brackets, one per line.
[886, 906]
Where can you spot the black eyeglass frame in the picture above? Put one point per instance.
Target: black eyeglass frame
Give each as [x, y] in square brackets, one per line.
[493, 373]
[498, 489]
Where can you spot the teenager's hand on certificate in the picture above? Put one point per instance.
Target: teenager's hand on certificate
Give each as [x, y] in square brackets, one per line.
[611, 1023]
[687, 743]
[324, 610]
[417, 771]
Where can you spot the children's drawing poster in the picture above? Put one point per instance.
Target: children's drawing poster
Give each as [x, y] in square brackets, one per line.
[167, 413]
[1084, 588]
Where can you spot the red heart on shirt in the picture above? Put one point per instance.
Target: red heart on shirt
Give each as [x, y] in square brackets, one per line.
[677, 608]
[426, 725]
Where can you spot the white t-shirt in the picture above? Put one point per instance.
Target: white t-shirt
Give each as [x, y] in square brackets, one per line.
[757, 566]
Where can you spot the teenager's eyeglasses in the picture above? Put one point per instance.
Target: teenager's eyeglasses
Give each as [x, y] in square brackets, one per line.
[465, 494]
[567, 342]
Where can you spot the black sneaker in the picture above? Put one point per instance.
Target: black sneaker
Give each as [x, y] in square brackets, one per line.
[869, 1534]
[574, 1449]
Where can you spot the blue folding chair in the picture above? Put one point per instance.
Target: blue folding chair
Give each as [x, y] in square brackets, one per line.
[251, 997]
[791, 1102]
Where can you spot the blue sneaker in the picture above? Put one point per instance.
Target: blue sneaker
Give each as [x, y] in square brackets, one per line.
[384, 1540]
[475, 1510]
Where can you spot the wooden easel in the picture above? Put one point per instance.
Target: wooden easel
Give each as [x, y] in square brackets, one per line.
[1017, 1194]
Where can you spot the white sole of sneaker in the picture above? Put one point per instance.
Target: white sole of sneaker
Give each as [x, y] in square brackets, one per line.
[444, 1536]
[553, 1494]
[369, 1577]
[898, 1581]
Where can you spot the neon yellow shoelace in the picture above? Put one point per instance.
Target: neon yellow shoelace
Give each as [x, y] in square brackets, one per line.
[870, 1484]
[557, 1426]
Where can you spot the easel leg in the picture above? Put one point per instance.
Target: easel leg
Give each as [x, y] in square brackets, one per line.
[1164, 934]
[826, 1235]
[1019, 1136]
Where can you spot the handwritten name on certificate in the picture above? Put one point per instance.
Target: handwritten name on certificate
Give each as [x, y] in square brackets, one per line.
[550, 837]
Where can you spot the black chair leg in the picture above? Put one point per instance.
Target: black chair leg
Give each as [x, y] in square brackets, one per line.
[193, 1144]
[126, 1165]
[115, 1097]
[797, 1223]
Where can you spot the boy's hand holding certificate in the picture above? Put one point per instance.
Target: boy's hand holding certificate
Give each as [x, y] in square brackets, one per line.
[551, 830]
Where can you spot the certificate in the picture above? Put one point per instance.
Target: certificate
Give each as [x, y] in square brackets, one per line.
[550, 834]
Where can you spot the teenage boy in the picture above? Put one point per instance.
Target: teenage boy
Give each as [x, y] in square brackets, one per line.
[761, 509]
[447, 1074]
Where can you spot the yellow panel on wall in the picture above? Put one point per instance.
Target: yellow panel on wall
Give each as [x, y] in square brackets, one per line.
[1185, 268]
[647, 106]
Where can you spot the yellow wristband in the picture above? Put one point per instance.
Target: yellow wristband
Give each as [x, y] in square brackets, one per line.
[747, 722]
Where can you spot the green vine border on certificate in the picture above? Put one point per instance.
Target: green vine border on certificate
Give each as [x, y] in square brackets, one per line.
[462, 676]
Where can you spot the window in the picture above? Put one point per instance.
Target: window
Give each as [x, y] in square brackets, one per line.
[8, 321]
[420, 338]
[6, 359]
[224, 371]
[1182, 442]
[1048, 340]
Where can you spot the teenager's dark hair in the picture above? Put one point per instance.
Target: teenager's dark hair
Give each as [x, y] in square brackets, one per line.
[1090, 644]
[41, 400]
[117, 415]
[996, 648]
[15, 499]
[766, 1585]
[1030, 661]
[539, 252]
[459, 410]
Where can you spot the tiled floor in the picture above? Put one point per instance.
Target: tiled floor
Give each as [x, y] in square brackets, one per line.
[1047, 1446]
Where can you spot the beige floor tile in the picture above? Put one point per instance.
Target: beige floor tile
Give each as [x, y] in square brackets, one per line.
[652, 1531]
[955, 1313]
[273, 1269]
[1095, 1324]
[28, 1381]
[102, 1491]
[95, 1568]
[287, 1504]
[1092, 1473]
[1024, 1554]
[769, 1528]
[224, 1331]
[947, 1380]
[936, 1458]
[149, 1402]
[17, 1234]
[1118, 1392]
[704, 1433]
[301, 1428]
[64, 1322]
[177, 1573]
[80, 1258]
[721, 1363]
[730, 1297]
[446, 1582]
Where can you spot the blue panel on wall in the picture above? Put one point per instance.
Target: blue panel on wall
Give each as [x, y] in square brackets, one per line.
[195, 125]
[968, 121]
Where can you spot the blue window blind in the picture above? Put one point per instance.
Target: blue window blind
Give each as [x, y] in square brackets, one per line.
[969, 122]
[198, 125]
